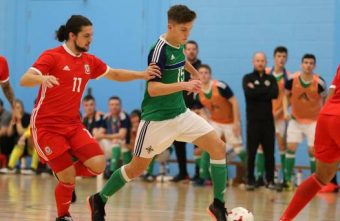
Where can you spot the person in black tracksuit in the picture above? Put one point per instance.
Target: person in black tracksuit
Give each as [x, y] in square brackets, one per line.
[260, 89]
[191, 52]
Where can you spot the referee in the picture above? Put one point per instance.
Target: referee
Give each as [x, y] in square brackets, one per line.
[259, 90]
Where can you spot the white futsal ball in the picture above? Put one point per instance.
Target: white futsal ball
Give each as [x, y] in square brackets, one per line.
[240, 214]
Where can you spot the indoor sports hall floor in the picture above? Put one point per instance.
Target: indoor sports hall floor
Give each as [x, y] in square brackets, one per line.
[26, 198]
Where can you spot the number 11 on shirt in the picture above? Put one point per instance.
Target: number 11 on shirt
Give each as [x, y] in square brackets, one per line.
[76, 84]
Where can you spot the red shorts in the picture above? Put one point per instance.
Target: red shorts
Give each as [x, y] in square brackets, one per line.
[327, 139]
[57, 145]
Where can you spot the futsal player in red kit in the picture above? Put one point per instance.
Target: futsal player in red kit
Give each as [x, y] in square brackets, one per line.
[327, 152]
[62, 74]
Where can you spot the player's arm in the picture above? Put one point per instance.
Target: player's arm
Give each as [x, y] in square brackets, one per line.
[33, 78]
[122, 75]
[236, 115]
[160, 89]
[193, 72]
[286, 98]
[8, 92]
[121, 135]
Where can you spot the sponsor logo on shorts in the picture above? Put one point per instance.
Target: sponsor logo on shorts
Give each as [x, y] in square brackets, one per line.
[149, 149]
[48, 150]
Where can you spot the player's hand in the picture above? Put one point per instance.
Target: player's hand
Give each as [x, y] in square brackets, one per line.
[287, 117]
[193, 86]
[50, 81]
[152, 72]
[237, 129]
[251, 85]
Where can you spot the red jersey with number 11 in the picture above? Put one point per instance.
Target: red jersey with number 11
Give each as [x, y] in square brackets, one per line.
[60, 104]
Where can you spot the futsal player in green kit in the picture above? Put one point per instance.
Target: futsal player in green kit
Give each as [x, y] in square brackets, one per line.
[165, 118]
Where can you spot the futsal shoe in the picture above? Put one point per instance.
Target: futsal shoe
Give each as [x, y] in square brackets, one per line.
[259, 182]
[217, 211]
[288, 186]
[64, 218]
[250, 186]
[28, 171]
[97, 207]
[74, 197]
[6, 170]
[180, 178]
[329, 188]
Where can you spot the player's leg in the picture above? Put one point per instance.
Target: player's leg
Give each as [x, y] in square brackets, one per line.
[268, 144]
[152, 138]
[196, 130]
[280, 128]
[115, 157]
[310, 134]
[235, 141]
[91, 159]
[181, 155]
[126, 154]
[294, 137]
[327, 152]
[63, 168]
[253, 142]
[16, 153]
[259, 166]
[309, 188]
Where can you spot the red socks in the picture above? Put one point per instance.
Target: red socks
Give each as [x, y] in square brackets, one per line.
[304, 193]
[63, 195]
[82, 170]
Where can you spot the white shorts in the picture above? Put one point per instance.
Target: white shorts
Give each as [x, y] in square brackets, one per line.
[280, 127]
[297, 131]
[227, 131]
[153, 137]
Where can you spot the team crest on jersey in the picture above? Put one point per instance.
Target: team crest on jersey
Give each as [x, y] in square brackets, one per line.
[267, 83]
[48, 150]
[87, 69]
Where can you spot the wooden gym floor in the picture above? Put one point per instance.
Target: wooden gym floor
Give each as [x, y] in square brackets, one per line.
[26, 198]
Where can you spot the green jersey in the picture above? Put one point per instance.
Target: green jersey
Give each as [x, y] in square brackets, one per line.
[171, 61]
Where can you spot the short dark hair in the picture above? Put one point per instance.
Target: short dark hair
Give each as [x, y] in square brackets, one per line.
[191, 42]
[205, 66]
[280, 49]
[89, 97]
[73, 24]
[181, 14]
[115, 98]
[308, 56]
[136, 113]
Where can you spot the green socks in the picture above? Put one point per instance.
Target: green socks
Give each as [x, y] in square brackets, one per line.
[204, 165]
[127, 156]
[115, 158]
[197, 160]
[219, 178]
[290, 163]
[259, 162]
[117, 180]
[150, 167]
[242, 154]
[283, 163]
